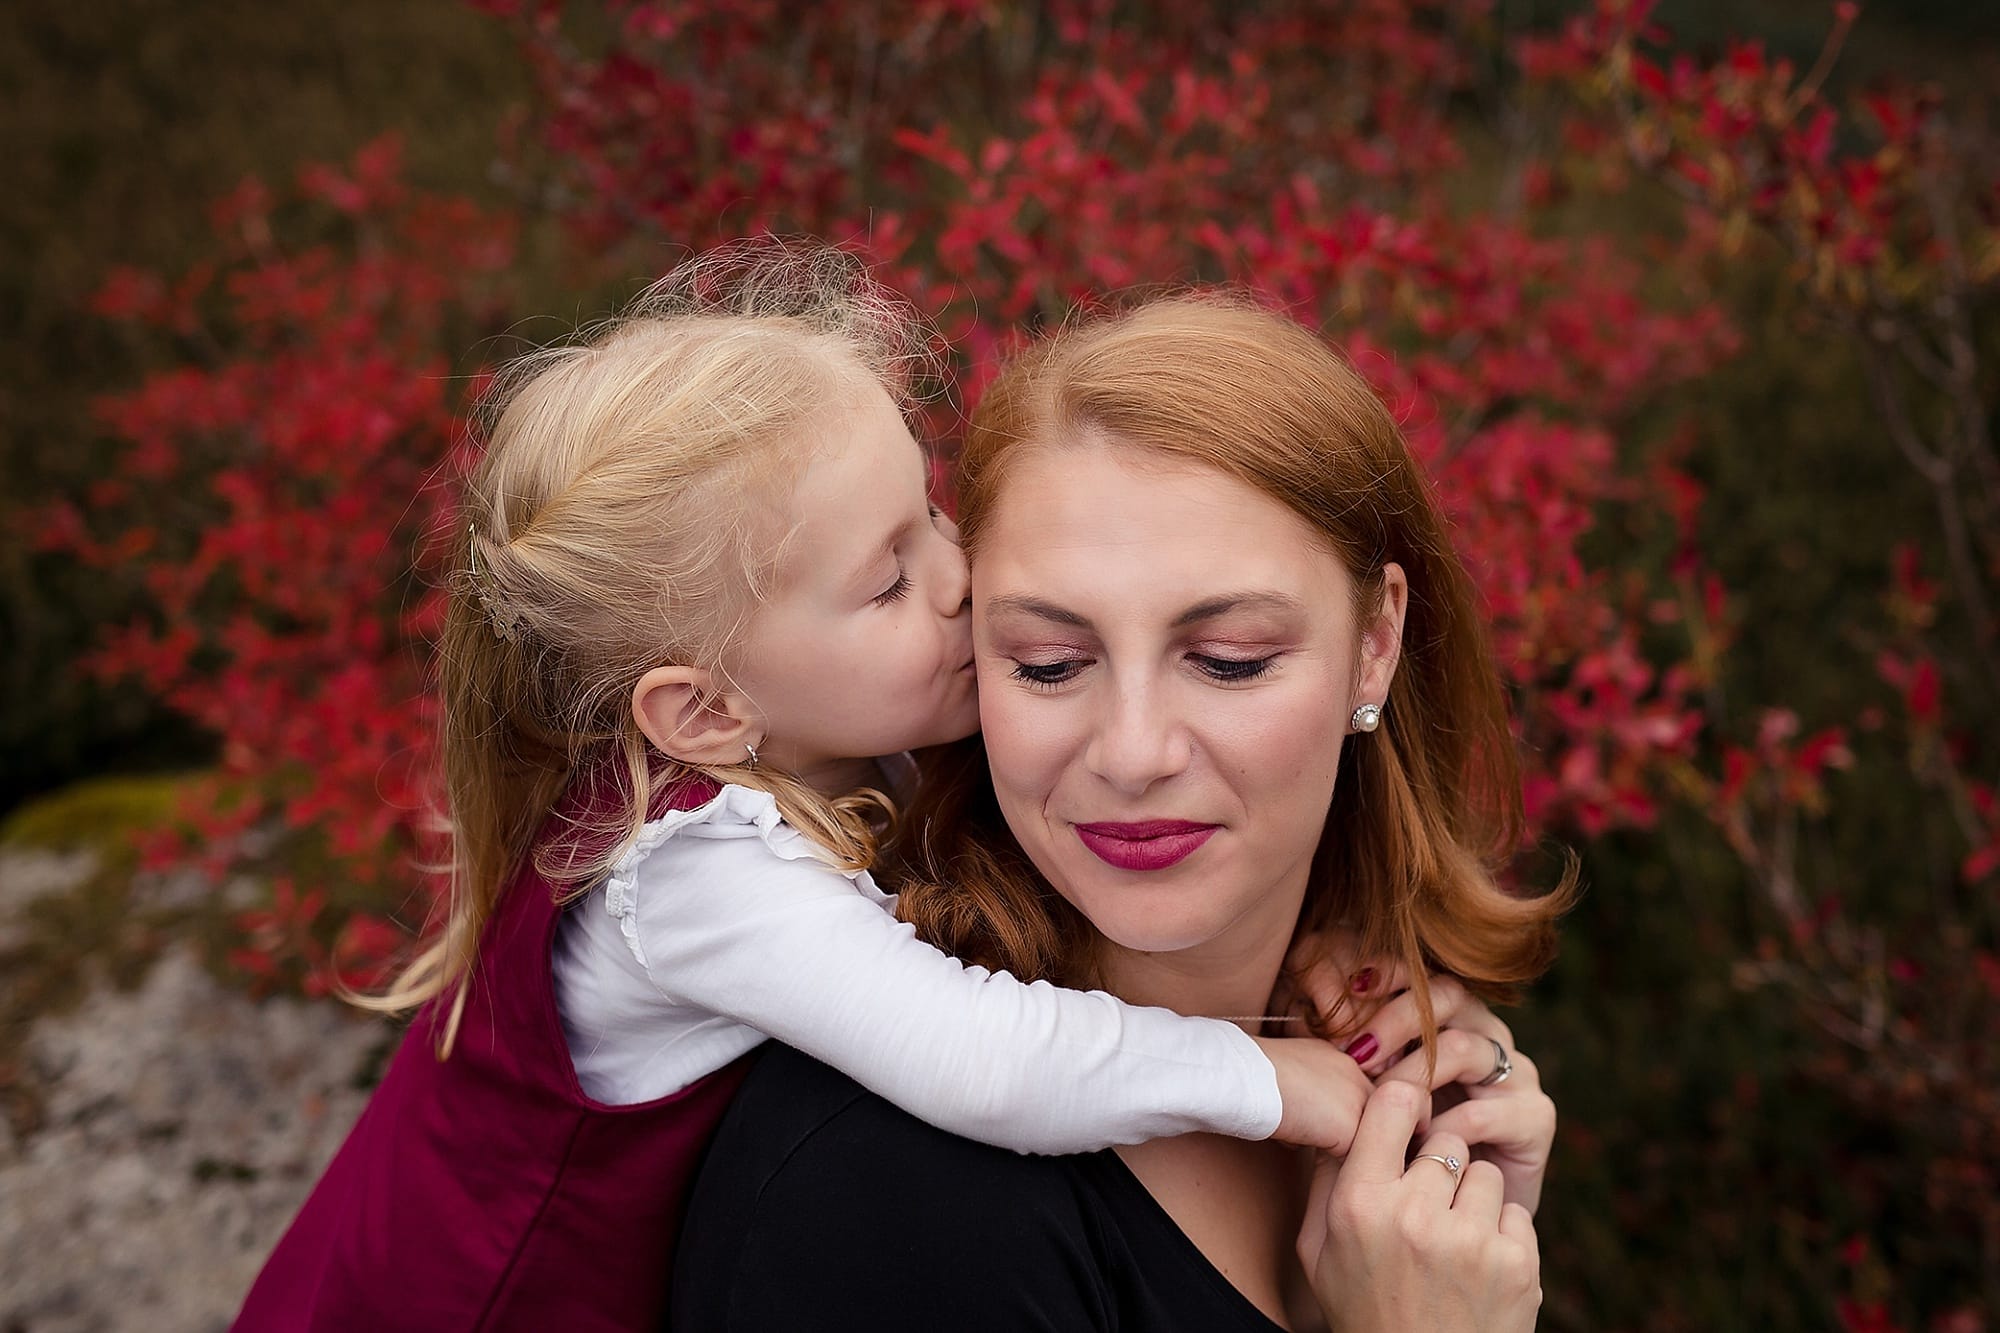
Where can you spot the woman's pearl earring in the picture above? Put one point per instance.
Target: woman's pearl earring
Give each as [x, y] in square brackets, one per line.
[1367, 717]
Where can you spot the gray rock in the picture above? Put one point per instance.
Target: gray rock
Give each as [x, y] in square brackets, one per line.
[28, 873]
[184, 1125]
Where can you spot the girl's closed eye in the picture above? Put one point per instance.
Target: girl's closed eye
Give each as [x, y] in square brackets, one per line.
[896, 591]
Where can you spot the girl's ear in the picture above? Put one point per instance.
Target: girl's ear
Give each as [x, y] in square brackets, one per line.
[1382, 638]
[691, 716]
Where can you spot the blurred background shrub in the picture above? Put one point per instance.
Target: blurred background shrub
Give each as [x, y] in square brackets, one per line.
[1691, 311]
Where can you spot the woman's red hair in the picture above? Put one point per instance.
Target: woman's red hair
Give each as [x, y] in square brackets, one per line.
[1425, 810]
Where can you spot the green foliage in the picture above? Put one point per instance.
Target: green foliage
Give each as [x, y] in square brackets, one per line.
[101, 815]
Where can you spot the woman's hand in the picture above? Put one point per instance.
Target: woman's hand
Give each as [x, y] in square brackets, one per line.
[1325, 974]
[1505, 1115]
[1389, 1248]
[1510, 1122]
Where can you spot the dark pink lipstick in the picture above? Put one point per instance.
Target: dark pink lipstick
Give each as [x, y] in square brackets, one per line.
[1152, 844]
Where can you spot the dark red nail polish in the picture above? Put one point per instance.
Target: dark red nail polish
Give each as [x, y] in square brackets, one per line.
[1363, 980]
[1363, 1048]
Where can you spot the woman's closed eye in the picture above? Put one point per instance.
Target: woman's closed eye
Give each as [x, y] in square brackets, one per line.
[1048, 675]
[1227, 670]
[1233, 670]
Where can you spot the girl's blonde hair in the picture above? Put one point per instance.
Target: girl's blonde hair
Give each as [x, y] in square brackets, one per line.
[628, 511]
[1424, 810]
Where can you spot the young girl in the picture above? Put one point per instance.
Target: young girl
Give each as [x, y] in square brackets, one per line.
[704, 603]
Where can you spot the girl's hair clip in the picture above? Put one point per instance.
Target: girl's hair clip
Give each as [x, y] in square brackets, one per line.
[507, 623]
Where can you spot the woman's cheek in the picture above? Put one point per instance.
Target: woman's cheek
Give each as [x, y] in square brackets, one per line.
[1024, 748]
[1286, 744]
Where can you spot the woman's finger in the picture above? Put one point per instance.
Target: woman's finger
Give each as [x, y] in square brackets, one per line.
[1474, 1016]
[1462, 1057]
[1481, 1192]
[1383, 1136]
[1517, 1225]
[1325, 977]
[1396, 1024]
[1312, 1227]
[1515, 1133]
[1434, 1180]
[1519, 1123]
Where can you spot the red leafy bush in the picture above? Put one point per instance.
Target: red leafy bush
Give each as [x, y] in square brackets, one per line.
[322, 406]
[1003, 165]
[274, 489]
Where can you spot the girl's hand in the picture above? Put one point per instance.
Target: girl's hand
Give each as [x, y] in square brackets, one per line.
[1511, 1122]
[1390, 1248]
[1322, 1091]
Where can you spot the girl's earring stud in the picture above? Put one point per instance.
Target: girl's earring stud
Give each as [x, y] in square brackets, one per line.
[750, 750]
[1367, 717]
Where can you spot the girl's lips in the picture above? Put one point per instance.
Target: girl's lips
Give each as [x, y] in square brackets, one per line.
[1152, 844]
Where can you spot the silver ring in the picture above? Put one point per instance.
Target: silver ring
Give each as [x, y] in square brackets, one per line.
[1451, 1164]
[1503, 1065]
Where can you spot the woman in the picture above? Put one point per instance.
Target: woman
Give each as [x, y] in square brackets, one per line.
[1233, 690]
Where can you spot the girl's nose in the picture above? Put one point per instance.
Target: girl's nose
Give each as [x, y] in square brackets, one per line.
[953, 584]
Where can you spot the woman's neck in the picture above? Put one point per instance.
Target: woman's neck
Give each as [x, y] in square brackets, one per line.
[1239, 1202]
[1230, 975]
[1193, 982]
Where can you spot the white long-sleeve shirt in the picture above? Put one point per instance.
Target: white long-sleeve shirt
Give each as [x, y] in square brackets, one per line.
[722, 926]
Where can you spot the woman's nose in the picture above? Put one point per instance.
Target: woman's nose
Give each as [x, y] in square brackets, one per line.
[1135, 742]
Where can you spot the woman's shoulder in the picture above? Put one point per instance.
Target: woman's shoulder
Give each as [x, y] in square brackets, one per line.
[821, 1205]
[806, 1136]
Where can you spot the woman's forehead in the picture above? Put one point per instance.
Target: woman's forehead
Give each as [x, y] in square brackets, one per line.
[1112, 520]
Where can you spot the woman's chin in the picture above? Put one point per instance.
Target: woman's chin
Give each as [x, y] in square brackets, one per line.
[1150, 933]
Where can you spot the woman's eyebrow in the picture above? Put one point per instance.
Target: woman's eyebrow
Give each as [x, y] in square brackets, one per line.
[1206, 609]
[1022, 604]
[1211, 607]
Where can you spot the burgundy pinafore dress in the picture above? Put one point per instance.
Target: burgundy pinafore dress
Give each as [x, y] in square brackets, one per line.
[487, 1191]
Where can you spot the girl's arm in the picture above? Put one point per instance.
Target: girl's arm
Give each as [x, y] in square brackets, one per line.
[803, 954]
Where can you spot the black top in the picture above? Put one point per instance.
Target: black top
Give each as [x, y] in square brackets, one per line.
[821, 1206]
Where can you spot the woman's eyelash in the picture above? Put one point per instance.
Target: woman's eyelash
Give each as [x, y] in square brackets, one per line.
[1233, 669]
[1229, 670]
[1047, 675]
[896, 591]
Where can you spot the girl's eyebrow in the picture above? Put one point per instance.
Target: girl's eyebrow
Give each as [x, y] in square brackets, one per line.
[1206, 609]
[863, 570]
[887, 547]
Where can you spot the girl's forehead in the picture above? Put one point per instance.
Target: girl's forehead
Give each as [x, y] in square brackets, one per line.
[860, 476]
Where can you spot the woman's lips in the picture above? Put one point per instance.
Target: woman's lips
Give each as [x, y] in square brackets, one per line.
[1152, 844]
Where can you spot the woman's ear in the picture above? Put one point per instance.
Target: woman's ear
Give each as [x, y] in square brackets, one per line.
[1382, 638]
[690, 715]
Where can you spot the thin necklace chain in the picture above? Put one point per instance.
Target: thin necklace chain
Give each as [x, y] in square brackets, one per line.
[1255, 1018]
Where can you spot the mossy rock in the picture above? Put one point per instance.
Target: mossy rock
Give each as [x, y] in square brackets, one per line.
[97, 814]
